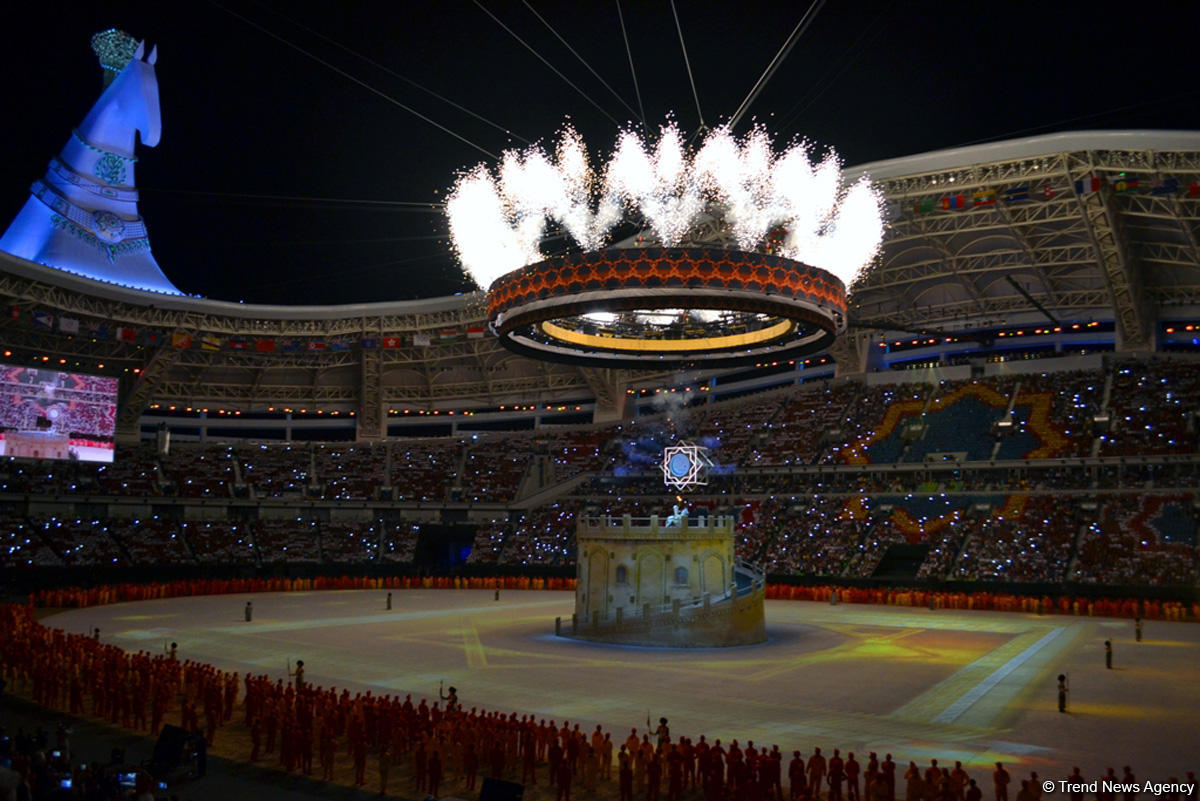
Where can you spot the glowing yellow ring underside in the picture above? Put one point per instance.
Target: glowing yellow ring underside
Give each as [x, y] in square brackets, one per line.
[672, 345]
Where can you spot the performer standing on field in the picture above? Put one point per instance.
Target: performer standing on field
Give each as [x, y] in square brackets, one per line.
[1001, 779]
[450, 698]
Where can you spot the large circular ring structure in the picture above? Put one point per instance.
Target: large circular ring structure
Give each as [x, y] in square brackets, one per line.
[655, 308]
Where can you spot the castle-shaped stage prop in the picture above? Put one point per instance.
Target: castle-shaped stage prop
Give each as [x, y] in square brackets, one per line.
[644, 582]
[82, 216]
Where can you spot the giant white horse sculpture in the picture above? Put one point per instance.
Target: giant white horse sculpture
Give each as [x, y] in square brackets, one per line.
[82, 216]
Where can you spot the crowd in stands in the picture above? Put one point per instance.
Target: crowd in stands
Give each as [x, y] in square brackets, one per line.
[205, 471]
[792, 520]
[494, 474]
[1152, 411]
[1032, 545]
[156, 540]
[1124, 547]
[151, 541]
[1123, 538]
[1075, 398]
[276, 472]
[290, 541]
[1015, 538]
[424, 470]
[351, 472]
[344, 542]
[1151, 407]
[544, 536]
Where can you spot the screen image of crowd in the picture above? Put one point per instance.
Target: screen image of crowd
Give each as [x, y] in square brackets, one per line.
[47, 414]
[823, 481]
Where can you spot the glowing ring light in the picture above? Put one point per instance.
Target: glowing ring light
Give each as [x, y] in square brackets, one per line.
[664, 307]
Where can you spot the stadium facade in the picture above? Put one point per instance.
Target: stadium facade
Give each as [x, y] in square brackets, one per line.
[1027, 334]
[1059, 244]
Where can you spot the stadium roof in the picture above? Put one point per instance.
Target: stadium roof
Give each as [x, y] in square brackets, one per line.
[1097, 224]
[1090, 223]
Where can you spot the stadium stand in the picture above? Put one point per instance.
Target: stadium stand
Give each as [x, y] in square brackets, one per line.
[845, 530]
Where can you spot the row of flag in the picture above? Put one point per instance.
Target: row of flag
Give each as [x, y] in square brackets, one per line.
[211, 342]
[1120, 184]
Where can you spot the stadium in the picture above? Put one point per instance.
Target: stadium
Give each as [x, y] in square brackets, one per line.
[982, 482]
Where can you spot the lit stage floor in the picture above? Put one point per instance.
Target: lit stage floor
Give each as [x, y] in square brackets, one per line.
[975, 686]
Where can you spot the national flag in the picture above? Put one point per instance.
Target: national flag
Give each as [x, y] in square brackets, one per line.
[180, 339]
[68, 324]
[923, 206]
[1193, 192]
[1167, 186]
[151, 337]
[125, 334]
[369, 343]
[1125, 183]
[951, 202]
[447, 335]
[291, 345]
[316, 344]
[1048, 192]
[339, 344]
[210, 343]
[1015, 194]
[43, 319]
[474, 332]
[239, 344]
[421, 340]
[393, 342]
[16, 312]
[264, 345]
[98, 330]
[984, 197]
[1087, 186]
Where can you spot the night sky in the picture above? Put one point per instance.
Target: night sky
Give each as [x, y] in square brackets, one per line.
[279, 180]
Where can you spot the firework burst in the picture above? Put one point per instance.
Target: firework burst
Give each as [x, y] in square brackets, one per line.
[498, 220]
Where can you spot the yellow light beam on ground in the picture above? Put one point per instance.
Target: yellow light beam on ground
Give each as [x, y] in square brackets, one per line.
[950, 698]
[476, 656]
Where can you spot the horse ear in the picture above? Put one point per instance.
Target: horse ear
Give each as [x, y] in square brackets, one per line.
[153, 57]
[141, 49]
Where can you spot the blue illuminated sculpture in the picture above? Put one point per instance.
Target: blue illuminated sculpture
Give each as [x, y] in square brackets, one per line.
[82, 216]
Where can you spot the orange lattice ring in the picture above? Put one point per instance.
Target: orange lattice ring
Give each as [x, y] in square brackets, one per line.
[792, 309]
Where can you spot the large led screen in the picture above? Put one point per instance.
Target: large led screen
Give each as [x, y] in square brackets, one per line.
[46, 414]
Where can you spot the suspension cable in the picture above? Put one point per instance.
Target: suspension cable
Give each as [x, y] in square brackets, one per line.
[350, 77]
[575, 53]
[513, 34]
[632, 71]
[688, 64]
[788, 44]
[395, 74]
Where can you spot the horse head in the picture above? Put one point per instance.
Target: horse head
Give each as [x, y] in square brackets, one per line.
[129, 103]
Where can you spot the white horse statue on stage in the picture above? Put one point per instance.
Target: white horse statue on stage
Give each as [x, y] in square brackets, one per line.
[82, 216]
[678, 516]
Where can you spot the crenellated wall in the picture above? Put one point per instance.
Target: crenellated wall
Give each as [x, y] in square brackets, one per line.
[673, 582]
